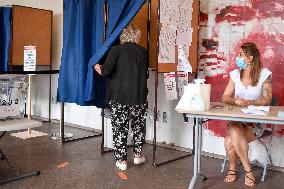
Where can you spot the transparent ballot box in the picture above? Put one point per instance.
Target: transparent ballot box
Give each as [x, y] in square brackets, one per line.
[13, 93]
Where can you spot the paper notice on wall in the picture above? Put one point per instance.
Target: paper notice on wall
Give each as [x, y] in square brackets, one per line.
[184, 29]
[167, 54]
[183, 63]
[184, 36]
[170, 85]
[168, 11]
[29, 58]
[182, 81]
[185, 12]
[167, 42]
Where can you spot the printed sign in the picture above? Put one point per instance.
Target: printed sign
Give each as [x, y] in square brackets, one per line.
[29, 58]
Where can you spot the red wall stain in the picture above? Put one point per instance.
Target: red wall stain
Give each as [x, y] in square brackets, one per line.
[264, 8]
[259, 9]
[210, 44]
[235, 14]
[203, 18]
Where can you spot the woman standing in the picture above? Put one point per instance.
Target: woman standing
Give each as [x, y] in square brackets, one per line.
[126, 70]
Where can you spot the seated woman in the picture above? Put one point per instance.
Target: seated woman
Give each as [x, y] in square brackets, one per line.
[251, 85]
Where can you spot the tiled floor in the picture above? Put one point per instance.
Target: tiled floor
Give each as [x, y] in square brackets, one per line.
[88, 169]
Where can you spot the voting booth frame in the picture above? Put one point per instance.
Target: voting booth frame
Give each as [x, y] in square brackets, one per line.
[151, 32]
[164, 68]
[36, 19]
[16, 174]
[152, 44]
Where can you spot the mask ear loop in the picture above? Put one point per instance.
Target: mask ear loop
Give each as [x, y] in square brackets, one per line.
[247, 65]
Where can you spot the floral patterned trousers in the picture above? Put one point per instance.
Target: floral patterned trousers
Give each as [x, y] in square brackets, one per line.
[120, 116]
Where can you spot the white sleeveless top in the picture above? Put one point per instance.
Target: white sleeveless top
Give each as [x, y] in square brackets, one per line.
[250, 92]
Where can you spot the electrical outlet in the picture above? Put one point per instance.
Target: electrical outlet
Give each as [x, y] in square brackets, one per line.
[158, 115]
[54, 99]
[165, 117]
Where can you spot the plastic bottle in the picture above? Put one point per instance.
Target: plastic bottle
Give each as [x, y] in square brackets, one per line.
[197, 100]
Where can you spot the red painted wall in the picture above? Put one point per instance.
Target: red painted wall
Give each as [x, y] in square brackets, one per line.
[224, 27]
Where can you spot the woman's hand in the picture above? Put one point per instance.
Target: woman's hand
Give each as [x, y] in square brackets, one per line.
[241, 102]
[98, 69]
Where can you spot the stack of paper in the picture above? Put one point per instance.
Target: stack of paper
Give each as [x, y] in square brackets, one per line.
[256, 110]
[261, 108]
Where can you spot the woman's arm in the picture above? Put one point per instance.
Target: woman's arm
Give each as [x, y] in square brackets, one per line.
[109, 66]
[266, 94]
[229, 90]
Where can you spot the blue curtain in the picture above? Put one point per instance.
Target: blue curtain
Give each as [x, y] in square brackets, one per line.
[82, 46]
[120, 13]
[5, 36]
[83, 31]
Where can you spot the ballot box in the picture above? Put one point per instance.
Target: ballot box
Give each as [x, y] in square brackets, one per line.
[13, 93]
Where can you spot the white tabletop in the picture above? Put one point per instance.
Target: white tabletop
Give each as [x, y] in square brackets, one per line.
[18, 124]
[236, 114]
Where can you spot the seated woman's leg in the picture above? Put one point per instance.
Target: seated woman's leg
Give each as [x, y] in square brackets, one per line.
[249, 178]
[241, 135]
[233, 160]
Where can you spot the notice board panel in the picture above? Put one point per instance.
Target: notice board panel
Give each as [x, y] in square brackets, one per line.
[140, 21]
[31, 26]
[193, 50]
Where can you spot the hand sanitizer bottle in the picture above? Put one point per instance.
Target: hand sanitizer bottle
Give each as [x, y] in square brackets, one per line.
[197, 100]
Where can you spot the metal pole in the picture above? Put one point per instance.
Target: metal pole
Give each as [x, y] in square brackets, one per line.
[155, 119]
[195, 173]
[30, 101]
[103, 131]
[103, 111]
[199, 143]
[50, 68]
[61, 134]
[156, 90]
[49, 100]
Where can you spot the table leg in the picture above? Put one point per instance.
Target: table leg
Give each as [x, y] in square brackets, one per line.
[203, 177]
[199, 144]
[196, 154]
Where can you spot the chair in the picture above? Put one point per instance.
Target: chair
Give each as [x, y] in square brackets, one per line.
[268, 133]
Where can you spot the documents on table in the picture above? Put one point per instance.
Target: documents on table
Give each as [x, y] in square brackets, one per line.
[256, 110]
[261, 108]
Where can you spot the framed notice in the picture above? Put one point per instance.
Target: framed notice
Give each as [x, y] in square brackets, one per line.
[29, 58]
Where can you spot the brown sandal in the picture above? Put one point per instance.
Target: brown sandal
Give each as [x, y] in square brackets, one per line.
[234, 179]
[252, 181]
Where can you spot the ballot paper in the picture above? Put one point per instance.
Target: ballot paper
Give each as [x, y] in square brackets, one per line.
[256, 110]
[253, 111]
[261, 108]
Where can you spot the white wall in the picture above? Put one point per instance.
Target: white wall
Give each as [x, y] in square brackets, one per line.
[174, 131]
